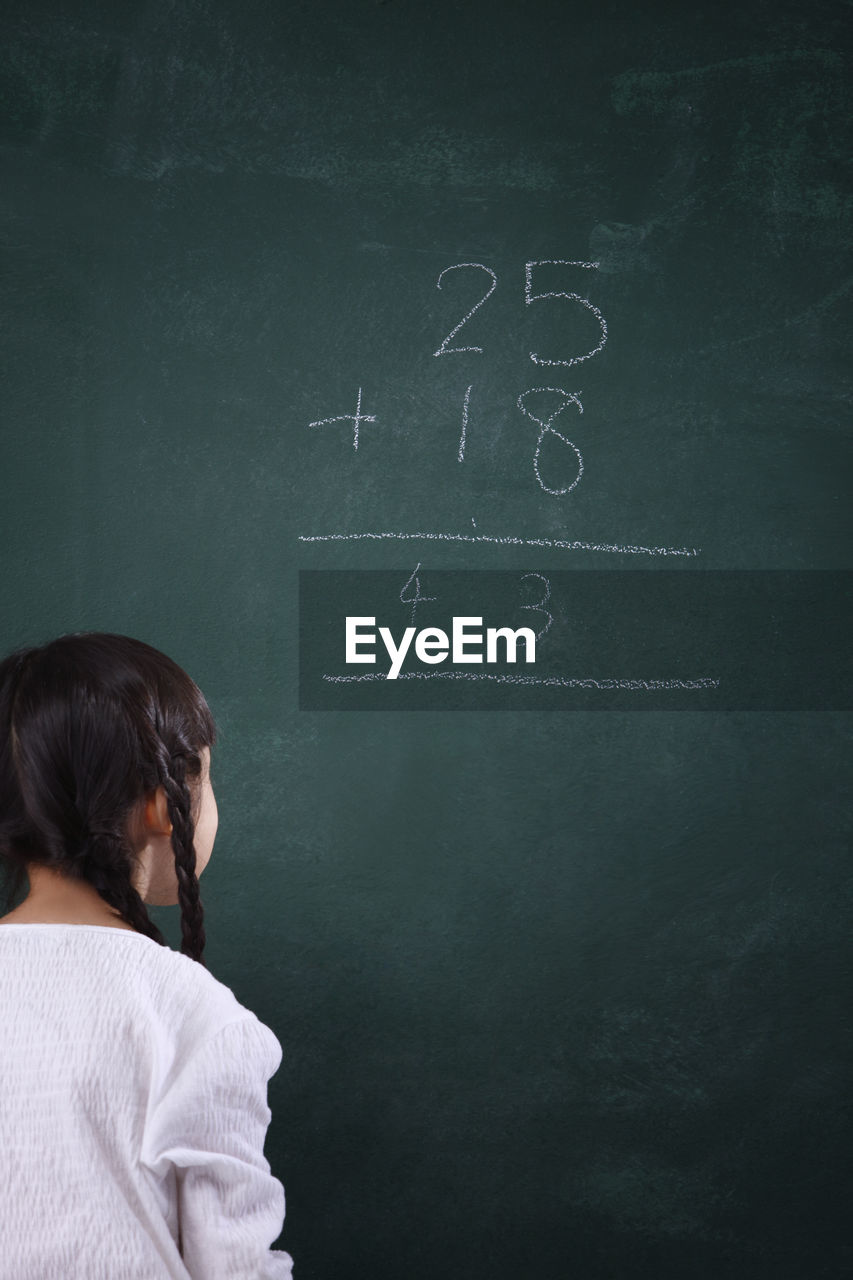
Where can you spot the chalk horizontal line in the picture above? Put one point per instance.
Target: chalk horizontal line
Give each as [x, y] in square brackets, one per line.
[567, 682]
[508, 541]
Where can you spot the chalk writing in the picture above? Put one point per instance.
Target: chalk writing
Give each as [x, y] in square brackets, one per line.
[531, 297]
[566, 682]
[507, 540]
[444, 349]
[539, 607]
[461, 454]
[417, 598]
[567, 398]
[355, 418]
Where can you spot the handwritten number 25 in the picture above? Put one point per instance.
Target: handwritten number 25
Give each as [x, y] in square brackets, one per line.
[529, 298]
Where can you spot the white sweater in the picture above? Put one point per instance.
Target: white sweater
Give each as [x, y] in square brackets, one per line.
[133, 1111]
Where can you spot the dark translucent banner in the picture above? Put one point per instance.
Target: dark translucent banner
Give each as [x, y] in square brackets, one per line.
[657, 640]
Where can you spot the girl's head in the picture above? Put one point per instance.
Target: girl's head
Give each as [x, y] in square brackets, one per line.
[102, 742]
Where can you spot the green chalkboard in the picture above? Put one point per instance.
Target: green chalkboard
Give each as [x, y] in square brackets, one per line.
[541, 288]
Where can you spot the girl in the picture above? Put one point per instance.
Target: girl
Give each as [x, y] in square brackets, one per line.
[133, 1102]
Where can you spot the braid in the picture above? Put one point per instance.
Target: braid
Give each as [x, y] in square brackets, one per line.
[107, 867]
[179, 802]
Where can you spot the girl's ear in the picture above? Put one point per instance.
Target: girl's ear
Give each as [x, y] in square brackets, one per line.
[156, 814]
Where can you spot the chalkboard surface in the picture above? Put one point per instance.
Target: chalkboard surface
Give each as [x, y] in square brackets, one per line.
[352, 285]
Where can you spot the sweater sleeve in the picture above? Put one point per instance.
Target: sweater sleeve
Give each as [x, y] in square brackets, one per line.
[209, 1127]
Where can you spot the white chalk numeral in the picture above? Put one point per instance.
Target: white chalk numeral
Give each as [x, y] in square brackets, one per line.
[444, 349]
[417, 598]
[567, 398]
[531, 297]
[540, 605]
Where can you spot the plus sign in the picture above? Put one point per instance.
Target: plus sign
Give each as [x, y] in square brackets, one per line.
[354, 418]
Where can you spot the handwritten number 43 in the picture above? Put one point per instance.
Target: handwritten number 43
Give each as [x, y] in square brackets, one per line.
[444, 349]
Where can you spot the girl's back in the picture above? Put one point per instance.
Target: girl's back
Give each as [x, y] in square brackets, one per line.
[133, 1111]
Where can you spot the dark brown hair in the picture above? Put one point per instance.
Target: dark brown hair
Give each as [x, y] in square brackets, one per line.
[90, 724]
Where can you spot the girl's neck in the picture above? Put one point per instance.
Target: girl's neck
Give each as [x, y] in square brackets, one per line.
[55, 899]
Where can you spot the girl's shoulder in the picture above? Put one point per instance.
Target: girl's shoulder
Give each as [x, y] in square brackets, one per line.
[94, 966]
